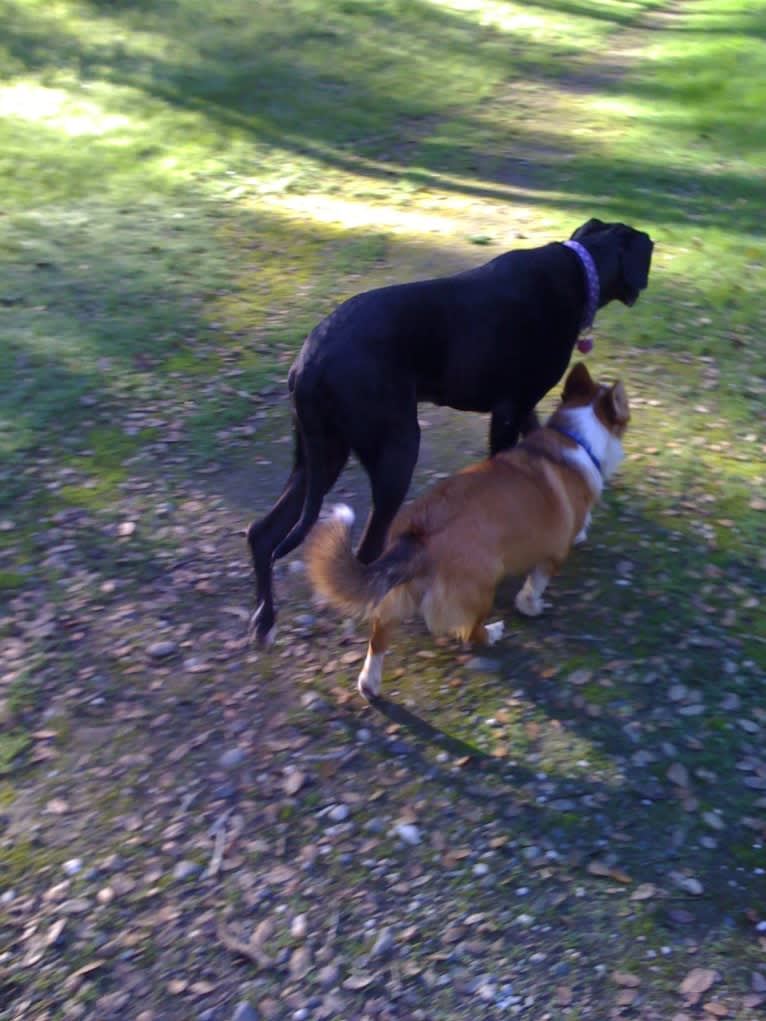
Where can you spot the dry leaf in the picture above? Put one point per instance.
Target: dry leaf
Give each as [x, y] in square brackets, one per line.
[202, 988]
[619, 876]
[262, 933]
[678, 774]
[564, 996]
[293, 782]
[625, 997]
[54, 933]
[697, 982]
[57, 806]
[300, 962]
[625, 978]
[453, 933]
[280, 874]
[599, 868]
[360, 981]
[644, 892]
[351, 657]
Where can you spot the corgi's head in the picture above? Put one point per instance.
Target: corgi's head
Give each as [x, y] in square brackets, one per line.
[599, 412]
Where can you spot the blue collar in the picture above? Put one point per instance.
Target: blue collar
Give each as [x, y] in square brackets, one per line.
[591, 282]
[578, 439]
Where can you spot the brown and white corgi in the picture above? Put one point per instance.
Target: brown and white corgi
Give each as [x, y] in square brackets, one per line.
[517, 513]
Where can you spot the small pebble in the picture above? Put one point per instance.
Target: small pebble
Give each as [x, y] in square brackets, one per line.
[225, 791]
[408, 832]
[73, 866]
[383, 944]
[245, 1012]
[399, 747]
[186, 870]
[162, 649]
[232, 758]
[481, 663]
[328, 976]
[339, 813]
[688, 883]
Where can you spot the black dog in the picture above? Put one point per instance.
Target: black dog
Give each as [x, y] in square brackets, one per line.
[493, 339]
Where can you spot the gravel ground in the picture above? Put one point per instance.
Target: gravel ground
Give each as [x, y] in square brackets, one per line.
[567, 826]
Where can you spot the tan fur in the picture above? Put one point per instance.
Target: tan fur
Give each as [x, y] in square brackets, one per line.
[516, 513]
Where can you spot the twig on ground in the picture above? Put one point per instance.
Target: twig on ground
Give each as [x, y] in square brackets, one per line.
[223, 840]
[240, 947]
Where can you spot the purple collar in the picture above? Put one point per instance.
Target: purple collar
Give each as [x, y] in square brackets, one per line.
[591, 276]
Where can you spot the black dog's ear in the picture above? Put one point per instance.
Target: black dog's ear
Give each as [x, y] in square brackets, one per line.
[588, 228]
[635, 258]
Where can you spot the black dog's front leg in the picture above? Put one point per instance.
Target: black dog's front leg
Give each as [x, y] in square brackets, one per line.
[505, 424]
[530, 422]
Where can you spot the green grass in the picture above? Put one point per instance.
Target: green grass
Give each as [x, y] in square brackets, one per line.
[177, 179]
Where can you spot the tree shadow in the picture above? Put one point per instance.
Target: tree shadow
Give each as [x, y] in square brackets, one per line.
[290, 93]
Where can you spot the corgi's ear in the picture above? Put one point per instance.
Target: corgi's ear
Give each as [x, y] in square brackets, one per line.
[617, 404]
[578, 383]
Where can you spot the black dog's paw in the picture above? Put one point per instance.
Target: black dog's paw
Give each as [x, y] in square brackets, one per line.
[262, 627]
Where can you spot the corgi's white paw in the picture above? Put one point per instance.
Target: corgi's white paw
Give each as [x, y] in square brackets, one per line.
[495, 631]
[529, 604]
[342, 512]
[371, 676]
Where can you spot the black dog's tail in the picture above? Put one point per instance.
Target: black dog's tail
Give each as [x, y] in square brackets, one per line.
[310, 435]
[349, 585]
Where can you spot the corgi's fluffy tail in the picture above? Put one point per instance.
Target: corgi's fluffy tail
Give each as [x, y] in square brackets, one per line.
[348, 585]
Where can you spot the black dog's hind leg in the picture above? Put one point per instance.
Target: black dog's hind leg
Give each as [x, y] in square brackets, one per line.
[263, 537]
[390, 470]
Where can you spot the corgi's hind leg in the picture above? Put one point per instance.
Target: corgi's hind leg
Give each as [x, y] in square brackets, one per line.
[477, 631]
[371, 674]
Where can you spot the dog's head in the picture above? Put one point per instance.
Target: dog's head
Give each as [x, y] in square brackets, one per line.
[600, 406]
[623, 256]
